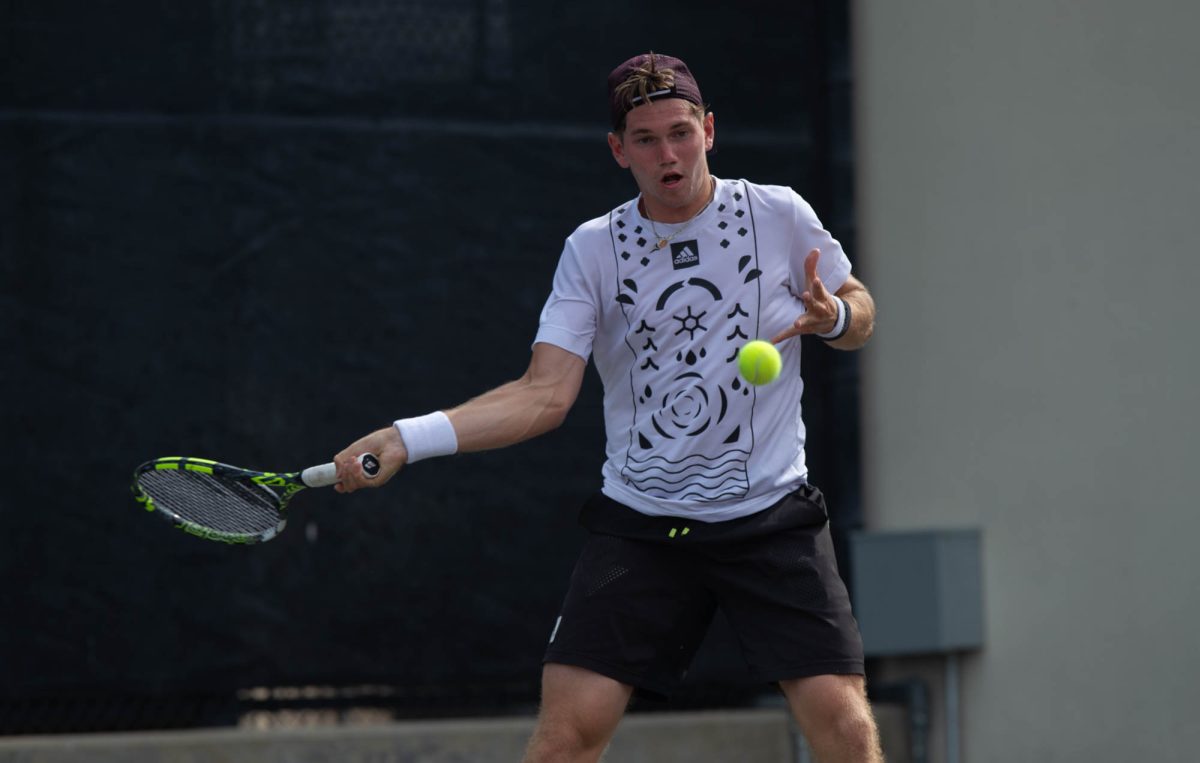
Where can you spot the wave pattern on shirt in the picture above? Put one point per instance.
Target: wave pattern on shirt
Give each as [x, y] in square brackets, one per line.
[696, 476]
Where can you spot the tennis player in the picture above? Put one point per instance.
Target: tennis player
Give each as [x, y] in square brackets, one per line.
[705, 501]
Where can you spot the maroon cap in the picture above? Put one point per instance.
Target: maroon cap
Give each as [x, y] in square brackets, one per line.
[678, 84]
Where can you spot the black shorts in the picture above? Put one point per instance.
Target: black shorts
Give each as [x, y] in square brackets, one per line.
[645, 590]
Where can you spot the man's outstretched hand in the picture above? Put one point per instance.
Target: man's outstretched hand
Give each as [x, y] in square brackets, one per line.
[820, 307]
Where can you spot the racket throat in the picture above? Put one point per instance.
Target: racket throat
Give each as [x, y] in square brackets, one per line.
[281, 487]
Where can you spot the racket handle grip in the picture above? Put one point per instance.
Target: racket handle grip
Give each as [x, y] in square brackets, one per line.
[326, 474]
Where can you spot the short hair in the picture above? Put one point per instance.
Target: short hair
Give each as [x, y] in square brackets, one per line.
[650, 77]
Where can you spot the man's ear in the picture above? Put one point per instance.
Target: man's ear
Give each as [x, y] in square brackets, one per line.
[710, 133]
[618, 150]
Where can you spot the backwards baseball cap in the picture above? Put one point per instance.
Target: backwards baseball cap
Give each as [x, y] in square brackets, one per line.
[657, 76]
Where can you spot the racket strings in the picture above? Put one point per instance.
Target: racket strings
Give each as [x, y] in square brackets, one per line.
[227, 505]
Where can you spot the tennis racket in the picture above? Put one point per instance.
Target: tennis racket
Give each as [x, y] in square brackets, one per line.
[225, 503]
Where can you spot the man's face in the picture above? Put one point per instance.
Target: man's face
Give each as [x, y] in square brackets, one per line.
[664, 147]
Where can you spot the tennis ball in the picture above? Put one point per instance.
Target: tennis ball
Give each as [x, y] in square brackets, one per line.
[759, 362]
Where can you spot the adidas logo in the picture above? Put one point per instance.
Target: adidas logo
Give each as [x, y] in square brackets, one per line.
[685, 254]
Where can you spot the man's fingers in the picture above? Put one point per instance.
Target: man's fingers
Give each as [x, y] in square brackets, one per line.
[390, 455]
[349, 471]
[810, 265]
[814, 298]
[805, 324]
[813, 284]
[345, 483]
[352, 475]
[785, 335]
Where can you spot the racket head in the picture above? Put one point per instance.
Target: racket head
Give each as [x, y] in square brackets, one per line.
[216, 501]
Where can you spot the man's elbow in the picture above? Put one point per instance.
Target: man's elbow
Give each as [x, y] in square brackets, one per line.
[551, 404]
[554, 413]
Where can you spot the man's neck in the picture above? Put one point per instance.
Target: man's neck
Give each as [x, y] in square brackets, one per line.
[672, 215]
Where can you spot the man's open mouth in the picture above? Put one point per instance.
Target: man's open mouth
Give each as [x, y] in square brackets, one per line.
[671, 178]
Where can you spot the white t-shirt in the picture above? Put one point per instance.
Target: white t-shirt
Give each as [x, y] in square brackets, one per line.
[687, 436]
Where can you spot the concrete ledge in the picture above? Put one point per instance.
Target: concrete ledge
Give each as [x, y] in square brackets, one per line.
[744, 736]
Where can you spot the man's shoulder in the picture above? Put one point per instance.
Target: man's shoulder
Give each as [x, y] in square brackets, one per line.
[780, 201]
[600, 226]
[768, 193]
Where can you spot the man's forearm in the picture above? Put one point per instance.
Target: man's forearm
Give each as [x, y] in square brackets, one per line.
[506, 415]
[527, 407]
[862, 320]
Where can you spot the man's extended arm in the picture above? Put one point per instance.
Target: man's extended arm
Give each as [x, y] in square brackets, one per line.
[519, 410]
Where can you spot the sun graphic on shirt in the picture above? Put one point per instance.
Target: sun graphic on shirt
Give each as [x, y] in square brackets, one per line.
[690, 323]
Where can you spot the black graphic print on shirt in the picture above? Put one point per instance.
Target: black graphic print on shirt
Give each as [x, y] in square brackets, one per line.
[689, 308]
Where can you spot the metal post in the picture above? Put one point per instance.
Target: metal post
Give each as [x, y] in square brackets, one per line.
[952, 719]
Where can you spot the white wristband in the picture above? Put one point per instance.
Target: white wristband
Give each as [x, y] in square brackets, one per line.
[427, 436]
[840, 325]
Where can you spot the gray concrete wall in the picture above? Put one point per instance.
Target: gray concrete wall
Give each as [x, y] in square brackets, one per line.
[764, 735]
[1028, 192]
[751, 736]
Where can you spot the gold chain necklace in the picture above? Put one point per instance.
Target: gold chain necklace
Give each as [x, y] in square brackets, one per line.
[664, 240]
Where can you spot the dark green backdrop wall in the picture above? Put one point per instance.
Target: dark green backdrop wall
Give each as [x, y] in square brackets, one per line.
[253, 230]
